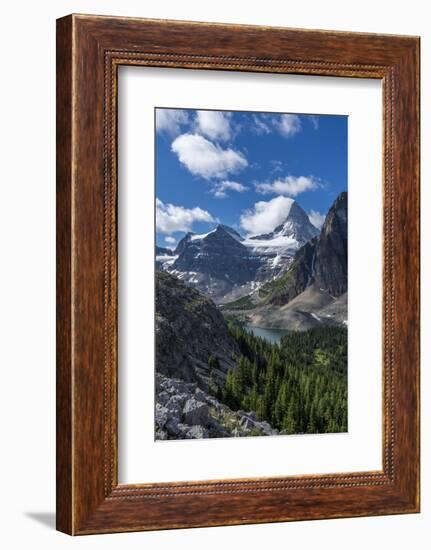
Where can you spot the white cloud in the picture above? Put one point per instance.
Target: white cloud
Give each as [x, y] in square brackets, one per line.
[290, 185]
[261, 124]
[316, 218]
[170, 218]
[285, 124]
[170, 240]
[314, 121]
[214, 124]
[219, 190]
[266, 215]
[288, 125]
[206, 159]
[171, 120]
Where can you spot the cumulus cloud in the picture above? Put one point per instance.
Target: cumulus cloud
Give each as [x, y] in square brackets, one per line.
[290, 185]
[170, 240]
[171, 120]
[206, 159]
[316, 218]
[171, 218]
[214, 124]
[266, 215]
[219, 190]
[288, 125]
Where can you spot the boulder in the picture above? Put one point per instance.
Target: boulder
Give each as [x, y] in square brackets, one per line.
[173, 428]
[266, 428]
[200, 395]
[196, 432]
[196, 412]
[175, 404]
[246, 423]
[161, 435]
[161, 415]
[163, 397]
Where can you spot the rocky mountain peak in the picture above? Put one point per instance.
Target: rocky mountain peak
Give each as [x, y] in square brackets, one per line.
[230, 232]
[296, 226]
[296, 214]
[337, 215]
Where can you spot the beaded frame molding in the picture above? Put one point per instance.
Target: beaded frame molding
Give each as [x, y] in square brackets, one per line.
[89, 51]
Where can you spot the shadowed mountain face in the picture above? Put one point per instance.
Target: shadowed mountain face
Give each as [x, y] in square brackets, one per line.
[218, 255]
[161, 251]
[322, 261]
[189, 330]
[330, 263]
[224, 265]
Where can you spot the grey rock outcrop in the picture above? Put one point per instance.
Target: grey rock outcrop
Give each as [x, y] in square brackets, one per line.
[189, 331]
[330, 261]
[196, 412]
[202, 415]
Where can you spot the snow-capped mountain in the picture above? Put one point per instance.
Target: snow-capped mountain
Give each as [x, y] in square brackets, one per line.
[296, 228]
[278, 247]
[225, 265]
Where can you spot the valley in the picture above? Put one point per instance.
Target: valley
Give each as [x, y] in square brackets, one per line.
[251, 331]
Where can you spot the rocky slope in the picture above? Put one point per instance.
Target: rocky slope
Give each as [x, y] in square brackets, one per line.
[224, 265]
[189, 331]
[184, 411]
[194, 351]
[309, 309]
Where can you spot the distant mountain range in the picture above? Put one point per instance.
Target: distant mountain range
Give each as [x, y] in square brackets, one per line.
[225, 266]
[294, 277]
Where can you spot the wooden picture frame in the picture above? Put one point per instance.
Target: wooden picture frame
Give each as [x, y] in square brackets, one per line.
[89, 51]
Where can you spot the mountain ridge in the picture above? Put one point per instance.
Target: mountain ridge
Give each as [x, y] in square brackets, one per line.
[223, 264]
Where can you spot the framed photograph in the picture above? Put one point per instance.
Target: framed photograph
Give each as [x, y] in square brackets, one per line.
[237, 274]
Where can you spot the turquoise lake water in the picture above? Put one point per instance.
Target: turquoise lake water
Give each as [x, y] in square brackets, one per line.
[273, 335]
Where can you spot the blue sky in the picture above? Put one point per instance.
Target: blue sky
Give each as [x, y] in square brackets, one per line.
[238, 168]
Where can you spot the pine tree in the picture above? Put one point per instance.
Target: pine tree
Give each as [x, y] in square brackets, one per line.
[289, 420]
